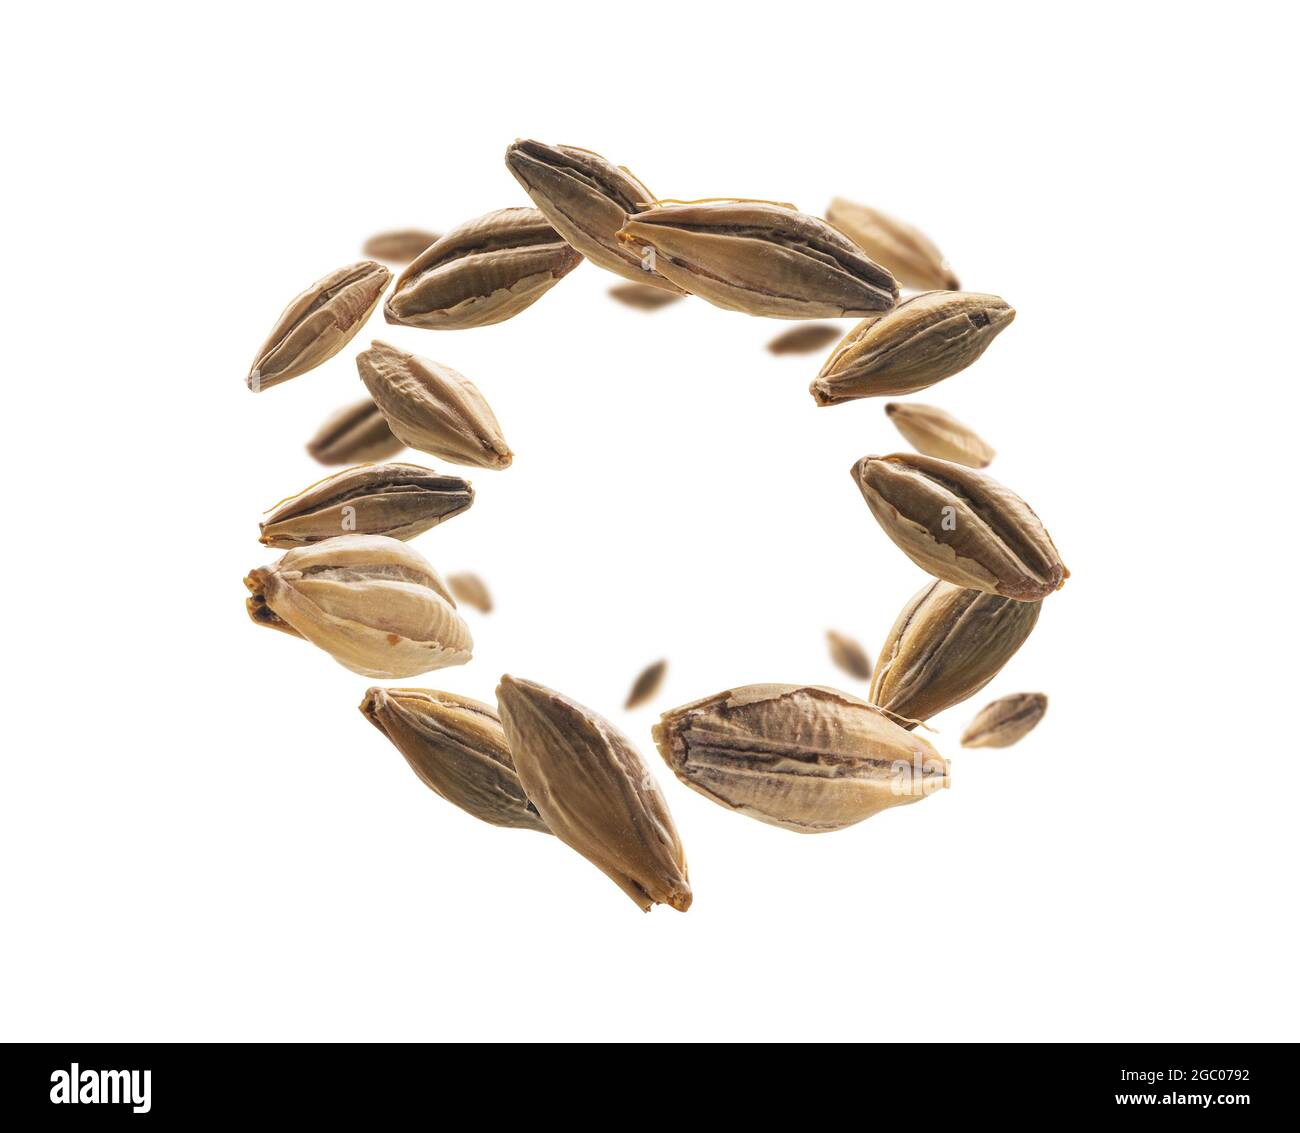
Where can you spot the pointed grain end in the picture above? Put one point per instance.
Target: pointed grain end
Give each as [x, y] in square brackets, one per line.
[680, 900]
[372, 702]
[821, 394]
[859, 469]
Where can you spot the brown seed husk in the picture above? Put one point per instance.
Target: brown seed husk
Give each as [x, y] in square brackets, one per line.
[642, 297]
[961, 525]
[646, 684]
[761, 258]
[933, 432]
[808, 758]
[804, 339]
[458, 749]
[849, 655]
[923, 340]
[945, 646]
[594, 792]
[587, 199]
[904, 250]
[373, 603]
[432, 407]
[471, 590]
[1005, 721]
[400, 246]
[397, 500]
[484, 272]
[318, 323]
[356, 434]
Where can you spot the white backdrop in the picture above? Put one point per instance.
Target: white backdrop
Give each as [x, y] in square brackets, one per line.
[201, 836]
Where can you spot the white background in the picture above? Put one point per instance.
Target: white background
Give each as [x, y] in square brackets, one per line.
[203, 839]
